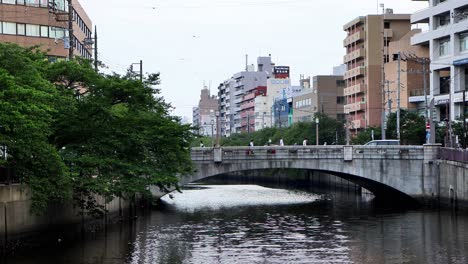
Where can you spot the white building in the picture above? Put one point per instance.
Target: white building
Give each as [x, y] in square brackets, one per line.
[447, 39]
[263, 115]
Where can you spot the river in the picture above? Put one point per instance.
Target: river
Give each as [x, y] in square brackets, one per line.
[255, 224]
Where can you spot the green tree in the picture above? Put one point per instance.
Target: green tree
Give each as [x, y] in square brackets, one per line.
[28, 107]
[73, 131]
[412, 128]
[365, 135]
[120, 139]
[328, 131]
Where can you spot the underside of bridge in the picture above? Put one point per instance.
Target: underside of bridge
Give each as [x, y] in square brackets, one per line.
[381, 191]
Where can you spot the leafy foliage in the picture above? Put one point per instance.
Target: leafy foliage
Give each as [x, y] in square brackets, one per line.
[73, 131]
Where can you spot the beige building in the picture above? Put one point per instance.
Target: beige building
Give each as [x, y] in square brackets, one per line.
[204, 115]
[411, 75]
[365, 55]
[325, 96]
[45, 23]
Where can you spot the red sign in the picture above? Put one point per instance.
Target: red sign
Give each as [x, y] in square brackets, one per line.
[428, 126]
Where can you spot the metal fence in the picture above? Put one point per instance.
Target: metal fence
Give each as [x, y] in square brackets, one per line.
[8, 176]
[452, 154]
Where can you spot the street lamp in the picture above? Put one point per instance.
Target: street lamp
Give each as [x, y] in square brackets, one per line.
[317, 131]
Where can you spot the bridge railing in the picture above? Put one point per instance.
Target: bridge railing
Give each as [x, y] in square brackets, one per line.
[309, 152]
[452, 154]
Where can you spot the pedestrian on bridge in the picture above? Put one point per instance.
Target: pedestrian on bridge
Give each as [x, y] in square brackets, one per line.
[251, 145]
[281, 142]
[304, 142]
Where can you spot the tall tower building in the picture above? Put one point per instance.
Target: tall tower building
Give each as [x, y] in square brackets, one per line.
[366, 44]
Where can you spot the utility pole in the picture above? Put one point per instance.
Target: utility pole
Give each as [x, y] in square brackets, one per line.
[141, 69]
[389, 100]
[398, 95]
[218, 129]
[317, 131]
[95, 49]
[71, 38]
[464, 119]
[383, 123]
[429, 119]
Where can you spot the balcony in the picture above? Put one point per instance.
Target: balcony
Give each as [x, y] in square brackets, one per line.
[358, 124]
[247, 105]
[355, 72]
[388, 33]
[359, 53]
[354, 107]
[359, 35]
[355, 89]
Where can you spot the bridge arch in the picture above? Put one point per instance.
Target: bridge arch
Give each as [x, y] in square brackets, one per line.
[380, 190]
[389, 171]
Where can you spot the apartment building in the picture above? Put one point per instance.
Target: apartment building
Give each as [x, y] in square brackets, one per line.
[45, 23]
[446, 38]
[366, 46]
[204, 115]
[232, 91]
[248, 111]
[325, 96]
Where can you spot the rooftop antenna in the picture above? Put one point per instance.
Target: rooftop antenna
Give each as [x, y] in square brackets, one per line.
[246, 62]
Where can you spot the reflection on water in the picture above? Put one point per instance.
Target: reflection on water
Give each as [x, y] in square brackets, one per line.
[253, 224]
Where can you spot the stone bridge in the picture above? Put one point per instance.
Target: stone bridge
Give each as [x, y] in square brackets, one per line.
[387, 171]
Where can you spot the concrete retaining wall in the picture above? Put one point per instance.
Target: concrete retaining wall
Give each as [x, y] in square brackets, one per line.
[17, 221]
[453, 184]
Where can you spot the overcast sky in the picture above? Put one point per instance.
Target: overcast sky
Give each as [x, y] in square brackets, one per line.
[195, 41]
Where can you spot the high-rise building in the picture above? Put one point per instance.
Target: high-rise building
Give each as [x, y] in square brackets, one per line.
[44, 23]
[366, 46]
[447, 40]
[232, 91]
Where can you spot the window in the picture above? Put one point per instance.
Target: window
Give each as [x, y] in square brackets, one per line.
[444, 47]
[32, 2]
[58, 33]
[44, 31]
[12, 2]
[340, 83]
[9, 28]
[387, 25]
[464, 42]
[340, 100]
[21, 29]
[33, 30]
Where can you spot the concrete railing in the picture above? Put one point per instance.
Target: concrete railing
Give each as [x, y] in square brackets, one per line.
[227, 154]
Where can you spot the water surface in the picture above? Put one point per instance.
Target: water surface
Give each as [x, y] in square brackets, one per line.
[254, 224]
